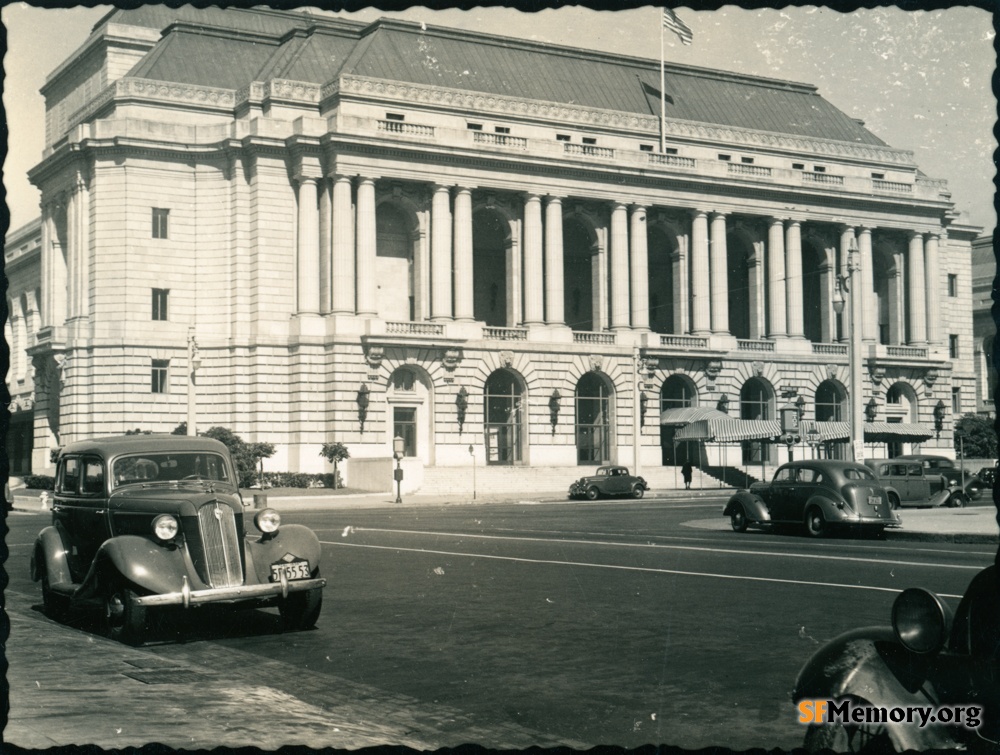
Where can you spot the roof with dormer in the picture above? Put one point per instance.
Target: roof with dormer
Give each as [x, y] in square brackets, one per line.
[233, 47]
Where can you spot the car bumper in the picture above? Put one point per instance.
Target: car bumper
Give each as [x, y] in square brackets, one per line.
[187, 597]
[869, 521]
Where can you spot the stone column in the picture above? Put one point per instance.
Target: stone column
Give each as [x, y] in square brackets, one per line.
[534, 278]
[619, 267]
[343, 247]
[367, 301]
[700, 288]
[897, 325]
[464, 309]
[777, 299]
[793, 278]
[554, 287]
[827, 322]
[325, 247]
[718, 255]
[308, 246]
[869, 314]
[918, 290]
[932, 279]
[72, 249]
[639, 269]
[441, 254]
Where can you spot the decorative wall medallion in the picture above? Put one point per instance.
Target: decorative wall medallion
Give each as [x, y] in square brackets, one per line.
[876, 371]
[758, 369]
[450, 358]
[931, 377]
[831, 372]
[507, 358]
[374, 356]
[596, 362]
[713, 369]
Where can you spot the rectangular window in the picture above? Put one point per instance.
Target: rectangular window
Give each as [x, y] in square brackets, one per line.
[394, 117]
[798, 166]
[589, 140]
[746, 160]
[404, 425]
[953, 346]
[474, 126]
[645, 147]
[70, 480]
[160, 303]
[878, 176]
[158, 375]
[725, 158]
[502, 129]
[562, 137]
[93, 477]
[819, 169]
[160, 218]
[952, 285]
[670, 150]
[956, 402]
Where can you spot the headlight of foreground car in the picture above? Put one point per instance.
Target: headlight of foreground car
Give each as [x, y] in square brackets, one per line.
[267, 521]
[920, 621]
[165, 527]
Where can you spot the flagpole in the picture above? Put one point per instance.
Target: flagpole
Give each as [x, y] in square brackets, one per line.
[663, 99]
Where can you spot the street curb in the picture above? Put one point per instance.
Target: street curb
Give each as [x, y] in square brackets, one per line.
[943, 537]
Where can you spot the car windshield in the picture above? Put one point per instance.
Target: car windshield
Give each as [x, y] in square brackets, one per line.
[170, 467]
[858, 473]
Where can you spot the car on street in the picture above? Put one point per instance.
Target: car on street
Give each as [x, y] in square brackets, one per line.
[965, 485]
[820, 495]
[153, 523]
[988, 475]
[609, 481]
[907, 484]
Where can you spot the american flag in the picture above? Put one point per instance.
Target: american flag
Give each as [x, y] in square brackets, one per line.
[678, 27]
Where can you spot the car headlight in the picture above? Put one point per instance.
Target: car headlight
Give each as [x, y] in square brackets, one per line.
[920, 621]
[267, 521]
[165, 527]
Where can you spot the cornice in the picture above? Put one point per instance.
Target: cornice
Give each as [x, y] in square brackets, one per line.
[466, 101]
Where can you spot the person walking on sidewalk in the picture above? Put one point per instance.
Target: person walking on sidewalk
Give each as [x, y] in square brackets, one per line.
[686, 474]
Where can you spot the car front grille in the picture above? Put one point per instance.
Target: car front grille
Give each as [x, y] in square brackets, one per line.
[221, 546]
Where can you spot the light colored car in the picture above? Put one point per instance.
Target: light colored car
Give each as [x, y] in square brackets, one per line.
[820, 495]
[908, 484]
[609, 481]
[965, 485]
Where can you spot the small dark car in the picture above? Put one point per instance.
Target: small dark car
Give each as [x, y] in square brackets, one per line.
[157, 522]
[821, 495]
[988, 475]
[907, 483]
[964, 484]
[610, 481]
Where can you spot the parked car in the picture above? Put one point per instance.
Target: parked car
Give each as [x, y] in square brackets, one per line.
[988, 475]
[157, 522]
[964, 485]
[610, 481]
[906, 484]
[820, 495]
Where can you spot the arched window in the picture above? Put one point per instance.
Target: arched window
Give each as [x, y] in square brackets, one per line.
[593, 420]
[504, 410]
[409, 396]
[831, 402]
[756, 402]
[677, 393]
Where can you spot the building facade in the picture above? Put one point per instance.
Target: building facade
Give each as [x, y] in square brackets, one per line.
[984, 270]
[312, 230]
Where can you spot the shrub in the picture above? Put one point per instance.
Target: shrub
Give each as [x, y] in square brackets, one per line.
[39, 482]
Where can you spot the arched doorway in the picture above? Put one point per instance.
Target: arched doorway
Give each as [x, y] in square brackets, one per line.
[490, 239]
[505, 415]
[900, 406]
[593, 399]
[831, 406]
[756, 402]
[578, 275]
[410, 398]
[394, 263]
[678, 392]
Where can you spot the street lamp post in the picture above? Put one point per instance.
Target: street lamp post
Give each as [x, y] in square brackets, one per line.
[398, 447]
[847, 283]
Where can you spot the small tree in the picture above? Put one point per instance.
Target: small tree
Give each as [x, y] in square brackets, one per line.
[335, 452]
[976, 437]
[245, 455]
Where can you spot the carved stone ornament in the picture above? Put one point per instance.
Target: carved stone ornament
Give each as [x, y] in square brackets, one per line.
[831, 372]
[507, 358]
[648, 367]
[876, 371]
[596, 362]
[931, 377]
[713, 369]
[374, 356]
[758, 369]
[450, 358]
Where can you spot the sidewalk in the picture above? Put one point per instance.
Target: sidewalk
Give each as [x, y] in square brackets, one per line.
[974, 524]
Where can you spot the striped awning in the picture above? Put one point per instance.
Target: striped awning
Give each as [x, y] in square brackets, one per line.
[730, 430]
[689, 414]
[875, 432]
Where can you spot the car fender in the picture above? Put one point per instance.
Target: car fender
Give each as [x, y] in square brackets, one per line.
[858, 664]
[50, 558]
[291, 539]
[154, 568]
[753, 505]
[830, 509]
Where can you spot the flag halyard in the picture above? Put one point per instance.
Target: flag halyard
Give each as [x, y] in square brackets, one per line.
[673, 23]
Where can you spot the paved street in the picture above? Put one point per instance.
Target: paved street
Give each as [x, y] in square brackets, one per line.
[507, 625]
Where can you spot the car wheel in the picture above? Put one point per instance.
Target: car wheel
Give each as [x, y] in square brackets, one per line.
[593, 493]
[124, 618]
[638, 491]
[815, 522]
[300, 610]
[871, 738]
[957, 500]
[738, 518]
[893, 501]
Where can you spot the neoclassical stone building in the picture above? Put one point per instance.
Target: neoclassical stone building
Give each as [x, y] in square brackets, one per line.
[354, 232]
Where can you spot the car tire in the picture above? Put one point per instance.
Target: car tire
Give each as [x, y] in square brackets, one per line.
[593, 493]
[638, 491]
[957, 500]
[124, 618]
[816, 524]
[300, 610]
[893, 501]
[738, 518]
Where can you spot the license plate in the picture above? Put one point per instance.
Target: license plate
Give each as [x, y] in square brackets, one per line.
[293, 570]
[874, 500]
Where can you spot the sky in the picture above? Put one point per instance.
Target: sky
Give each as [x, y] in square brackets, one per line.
[919, 79]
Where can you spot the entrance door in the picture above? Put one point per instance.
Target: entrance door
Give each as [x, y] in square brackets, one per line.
[504, 437]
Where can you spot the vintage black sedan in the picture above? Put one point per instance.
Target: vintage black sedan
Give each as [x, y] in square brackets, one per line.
[144, 523]
[819, 495]
[609, 481]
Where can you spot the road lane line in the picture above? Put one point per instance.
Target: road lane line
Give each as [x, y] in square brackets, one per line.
[779, 554]
[618, 567]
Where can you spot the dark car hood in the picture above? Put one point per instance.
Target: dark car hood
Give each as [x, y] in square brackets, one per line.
[181, 499]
